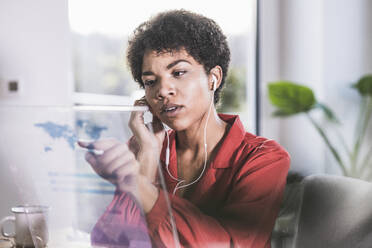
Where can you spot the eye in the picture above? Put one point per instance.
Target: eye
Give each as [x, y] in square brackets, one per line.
[148, 82]
[179, 73]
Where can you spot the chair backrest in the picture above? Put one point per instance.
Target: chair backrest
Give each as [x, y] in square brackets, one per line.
[335, 212]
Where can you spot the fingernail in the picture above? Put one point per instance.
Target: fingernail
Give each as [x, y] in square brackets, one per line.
[84, 143]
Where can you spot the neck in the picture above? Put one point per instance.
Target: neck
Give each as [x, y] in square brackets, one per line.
[192, 139]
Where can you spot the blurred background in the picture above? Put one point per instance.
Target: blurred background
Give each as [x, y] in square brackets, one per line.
[55, 53]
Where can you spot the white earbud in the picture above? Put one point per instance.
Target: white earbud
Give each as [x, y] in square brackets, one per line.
[214, 79]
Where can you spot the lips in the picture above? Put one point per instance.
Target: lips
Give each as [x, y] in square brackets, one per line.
[170, 109]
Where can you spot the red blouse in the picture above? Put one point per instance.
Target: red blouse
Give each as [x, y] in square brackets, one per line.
[234, 204]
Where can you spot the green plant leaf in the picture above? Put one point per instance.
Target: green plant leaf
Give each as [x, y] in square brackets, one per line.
[290, 98]
[282, 113]
[364, 85]
[327, 111]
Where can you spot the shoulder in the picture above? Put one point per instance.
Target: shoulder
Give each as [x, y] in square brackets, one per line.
[258, 152]
[261, 145]
[243, 150]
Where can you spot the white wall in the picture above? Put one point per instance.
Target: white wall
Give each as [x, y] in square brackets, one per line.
[35, 48]
[348, 45]
[325, 45]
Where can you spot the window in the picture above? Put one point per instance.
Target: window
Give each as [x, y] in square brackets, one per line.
[100, 31]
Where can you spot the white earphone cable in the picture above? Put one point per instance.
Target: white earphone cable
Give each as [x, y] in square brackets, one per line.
[173, 223]
[167, 159]
[180, 181]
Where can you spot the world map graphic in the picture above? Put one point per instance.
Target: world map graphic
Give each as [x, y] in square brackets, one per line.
[68, 133]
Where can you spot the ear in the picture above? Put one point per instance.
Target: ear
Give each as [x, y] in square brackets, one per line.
[215, 77]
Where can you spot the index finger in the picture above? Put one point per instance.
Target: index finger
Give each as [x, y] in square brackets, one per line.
[89, 146]
[104, 144]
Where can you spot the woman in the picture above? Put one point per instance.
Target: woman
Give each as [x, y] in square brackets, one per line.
[224, 185]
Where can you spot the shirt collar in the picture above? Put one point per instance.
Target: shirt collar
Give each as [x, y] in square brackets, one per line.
[230, 142]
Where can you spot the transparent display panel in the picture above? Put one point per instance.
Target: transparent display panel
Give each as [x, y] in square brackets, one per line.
[48, 188]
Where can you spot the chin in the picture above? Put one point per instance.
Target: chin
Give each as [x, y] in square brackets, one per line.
[177, 125]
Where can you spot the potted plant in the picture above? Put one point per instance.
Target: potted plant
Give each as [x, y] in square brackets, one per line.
[291, 99]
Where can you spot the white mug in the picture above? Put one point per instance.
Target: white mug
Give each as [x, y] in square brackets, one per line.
[31, 229]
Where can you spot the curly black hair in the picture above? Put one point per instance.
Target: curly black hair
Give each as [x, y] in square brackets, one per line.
[174, 30]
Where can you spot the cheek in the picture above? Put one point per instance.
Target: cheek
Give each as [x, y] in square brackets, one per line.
[150, 98]
[196, 94]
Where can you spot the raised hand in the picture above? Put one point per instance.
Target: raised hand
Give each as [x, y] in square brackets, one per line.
[117, 164]
[149, 138]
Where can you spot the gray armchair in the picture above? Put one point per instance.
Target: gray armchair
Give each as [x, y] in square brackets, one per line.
[325, 211]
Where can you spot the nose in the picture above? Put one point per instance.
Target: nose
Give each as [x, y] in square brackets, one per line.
[166, 88]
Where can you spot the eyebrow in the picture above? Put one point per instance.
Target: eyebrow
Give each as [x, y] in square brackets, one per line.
[149, 73]
[176, 62]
